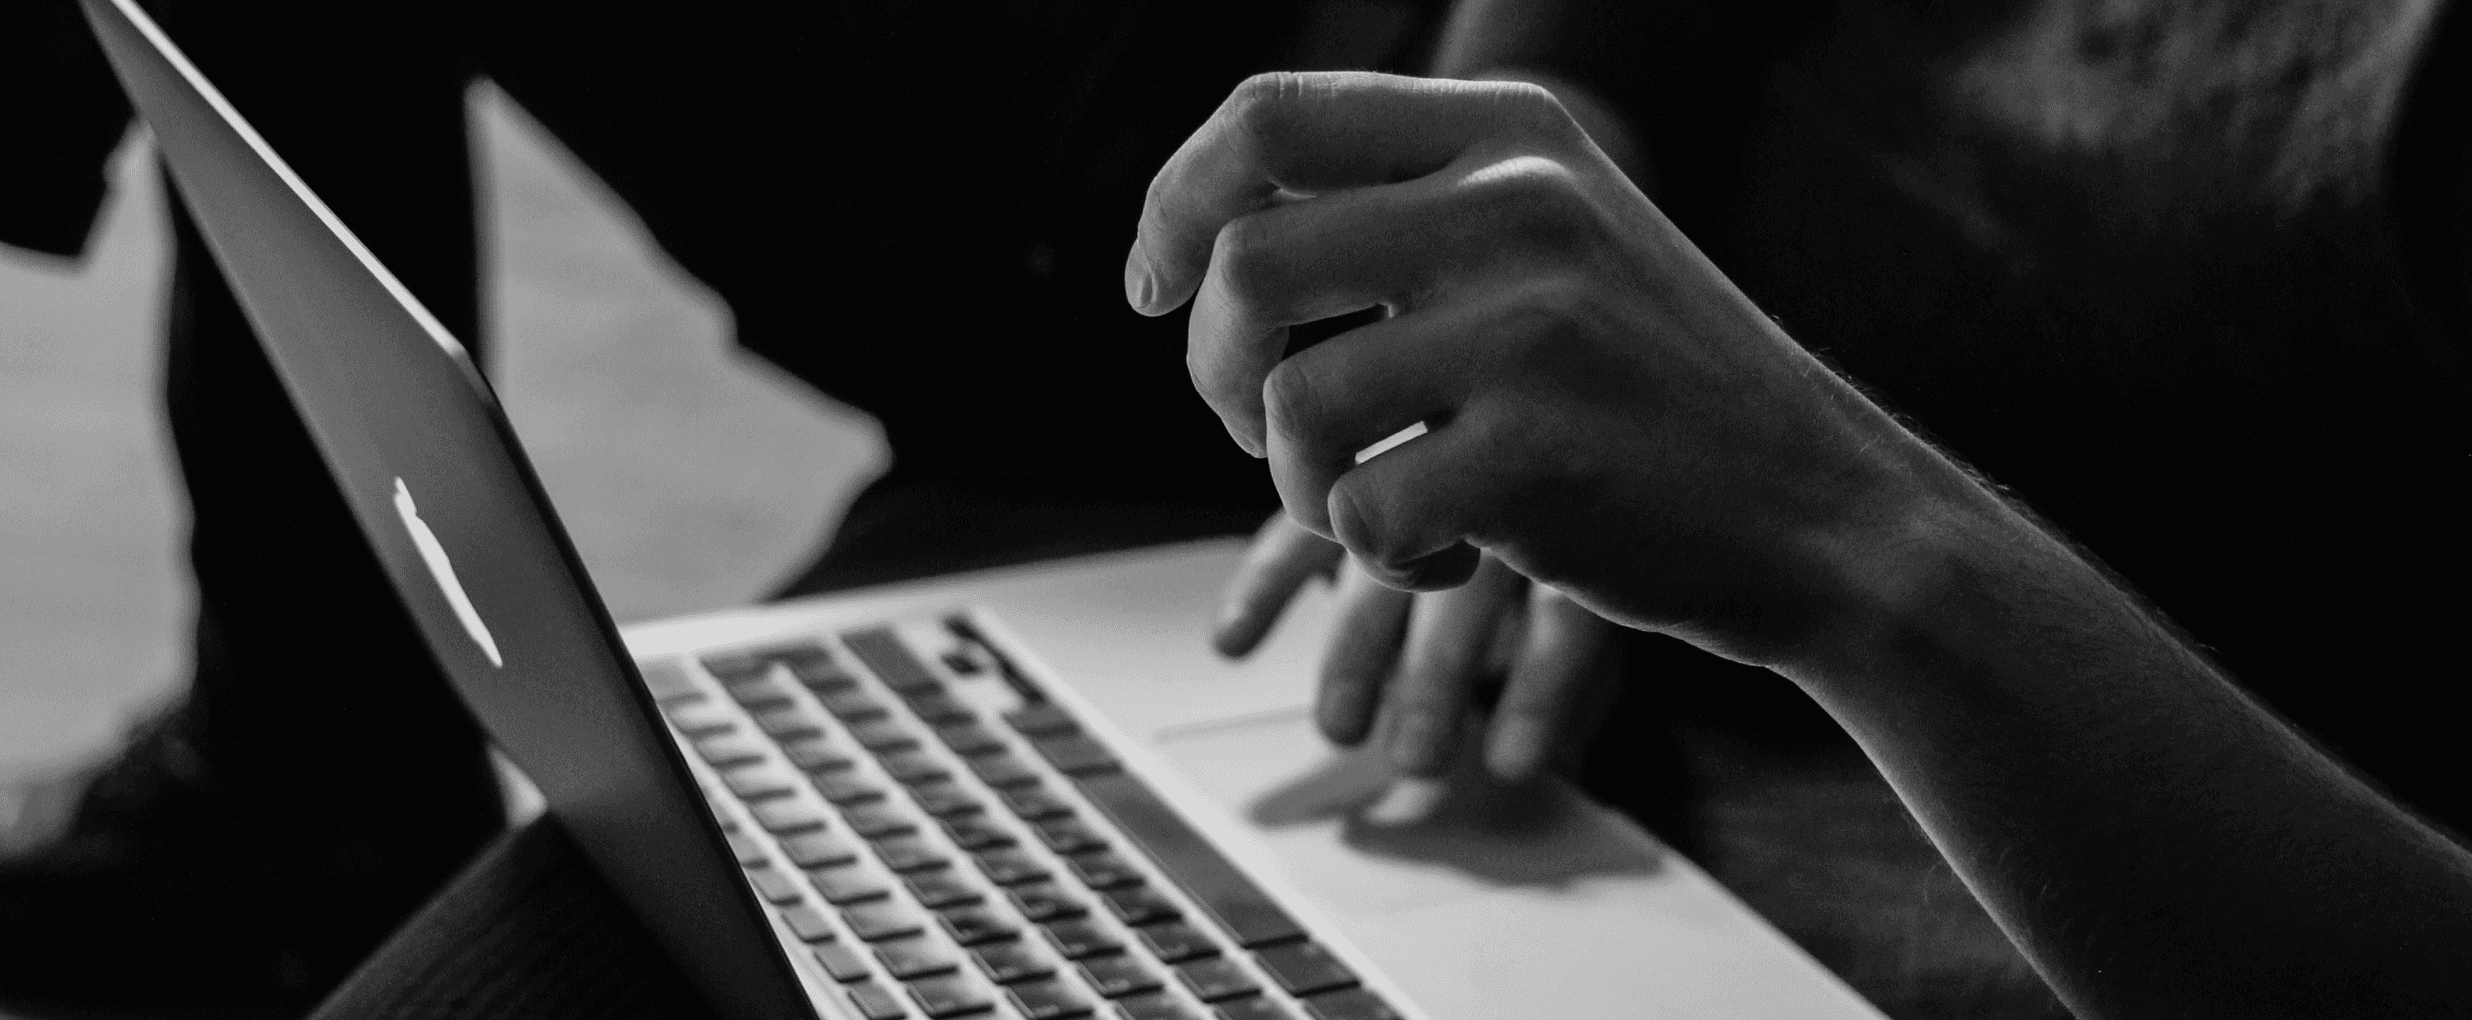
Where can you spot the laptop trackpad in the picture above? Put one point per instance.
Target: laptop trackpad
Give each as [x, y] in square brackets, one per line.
[1309, 802]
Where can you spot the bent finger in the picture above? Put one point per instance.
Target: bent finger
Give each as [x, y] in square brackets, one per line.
[1447, 638]
[1364, 647]
[1308, 133]
[1560, 681]
[1284, 555]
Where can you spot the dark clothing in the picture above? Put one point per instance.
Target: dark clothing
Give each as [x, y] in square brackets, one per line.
[2159, 273]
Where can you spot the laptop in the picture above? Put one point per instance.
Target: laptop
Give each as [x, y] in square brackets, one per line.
[1025, 795]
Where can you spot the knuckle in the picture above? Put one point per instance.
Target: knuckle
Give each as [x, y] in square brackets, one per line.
[1359, 524]
[1262, 110]
[1539, 198]
[1218, 382]
[1554, 316]
[1241, 255]
[1292, 397]
[1532, 109]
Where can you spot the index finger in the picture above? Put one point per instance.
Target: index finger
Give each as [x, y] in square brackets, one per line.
[1306, 133]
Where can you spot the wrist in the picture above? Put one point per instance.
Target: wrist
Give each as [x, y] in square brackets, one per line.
[1926, 578]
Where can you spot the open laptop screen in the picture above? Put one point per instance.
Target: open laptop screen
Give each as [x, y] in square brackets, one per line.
[441, 489]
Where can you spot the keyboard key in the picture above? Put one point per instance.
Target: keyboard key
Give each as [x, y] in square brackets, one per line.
[807, 923]
[844, 789]
[1007, 962]
[1251, 1009]
[954, 995]
[914, 957]
[725, 751]
[775, 885]
[877, 819]
[976, 832]
[943, 800]
[815, 755]
[847, 885]
[826, 681]
[1216, 978]
[783, 815]
[1031, 803]
[1081, 938]
[1075, 754]
[1010, 866]
[905, 854]
[936, 708]
[798, 653]
[851, 705]
[1352, 1004]
[1305, 968]
[788, 724]
[875, 1002]
[701, 716]
[890, 660]
[970, 926]
[1042, 719]
[1002, 770]
[842, 962]
[1047, 1000]
[913, 768]
[1069, 836]
[1045, 902]
[936, 890]
[1103, 870]
[750, 852]
[666, 679]
[737, 665]
[883, 735]
[1118, 976]
[752, 785]
[817, 850]
[822, 676]
[1241, 909]
[1176, 942]
[969, 739]
[1153, 1007]
[757, 694]
[882, 919]
[1139, 905]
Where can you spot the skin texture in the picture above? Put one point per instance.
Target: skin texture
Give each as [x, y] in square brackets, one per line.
[1610, 419]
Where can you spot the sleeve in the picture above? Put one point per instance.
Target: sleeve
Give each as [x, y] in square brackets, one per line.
[61, 118]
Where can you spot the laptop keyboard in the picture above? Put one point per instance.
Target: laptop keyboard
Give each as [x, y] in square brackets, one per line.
[965, 848]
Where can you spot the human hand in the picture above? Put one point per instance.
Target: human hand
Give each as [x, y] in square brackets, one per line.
[1419, 662]
[1607, 415]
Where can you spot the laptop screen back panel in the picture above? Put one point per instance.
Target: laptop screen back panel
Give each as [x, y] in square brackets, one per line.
[416, 442]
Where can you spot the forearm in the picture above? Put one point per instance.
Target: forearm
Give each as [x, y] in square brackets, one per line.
[2156, 842]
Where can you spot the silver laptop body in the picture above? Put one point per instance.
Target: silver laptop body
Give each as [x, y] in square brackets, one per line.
[889, 820]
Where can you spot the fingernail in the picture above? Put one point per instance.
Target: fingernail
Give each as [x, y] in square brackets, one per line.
[1138, 287]
[1416, 745]
[1245, 442]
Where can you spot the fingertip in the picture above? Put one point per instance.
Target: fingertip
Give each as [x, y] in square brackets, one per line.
[1516, 752]
[1141, 285]
[1342, 721]
[1238, 631]
[1439, 571]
